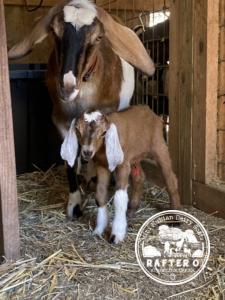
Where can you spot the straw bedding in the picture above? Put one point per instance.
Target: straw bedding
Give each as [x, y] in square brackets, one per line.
[62, 260]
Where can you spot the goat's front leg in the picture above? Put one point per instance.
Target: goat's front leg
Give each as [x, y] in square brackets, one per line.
[119, 225]
[103, 176]
[75, 201]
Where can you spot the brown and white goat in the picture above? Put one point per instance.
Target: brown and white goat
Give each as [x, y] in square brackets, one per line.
[89, 67]
[116, 142]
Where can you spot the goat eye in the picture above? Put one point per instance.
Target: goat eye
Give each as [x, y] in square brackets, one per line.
[78, 134]
[103, 134]
[98, 39]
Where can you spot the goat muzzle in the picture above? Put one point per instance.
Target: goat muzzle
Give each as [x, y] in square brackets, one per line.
[86, 154]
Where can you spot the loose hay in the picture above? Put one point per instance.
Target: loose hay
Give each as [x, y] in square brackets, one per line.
[62, 260]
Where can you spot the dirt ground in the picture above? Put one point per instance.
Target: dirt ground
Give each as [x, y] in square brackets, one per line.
[61, 259]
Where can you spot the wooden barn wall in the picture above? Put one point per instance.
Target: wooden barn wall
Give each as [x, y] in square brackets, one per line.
[18, 23]
[221, 96]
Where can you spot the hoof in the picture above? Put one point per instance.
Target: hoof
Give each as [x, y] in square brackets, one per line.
[97, 232]
[116, 239]
[74, 208]
[112, 239]
[77, 212]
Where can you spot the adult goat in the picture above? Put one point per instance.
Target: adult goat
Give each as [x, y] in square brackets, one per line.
[89, 67]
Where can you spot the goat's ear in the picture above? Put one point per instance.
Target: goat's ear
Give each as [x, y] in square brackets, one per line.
[69, 146]
[126, 43]
[38, 33]
[114, 152]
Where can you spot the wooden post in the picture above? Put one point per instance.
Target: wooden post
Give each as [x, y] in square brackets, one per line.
[9, 225]
[194, 33]
[205, 60]
[180, 94]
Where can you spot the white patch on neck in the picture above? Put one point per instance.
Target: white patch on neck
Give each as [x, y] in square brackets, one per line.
[79, 13]
[127, 87]
[94, 116]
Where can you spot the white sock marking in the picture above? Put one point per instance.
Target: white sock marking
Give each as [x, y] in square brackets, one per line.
[102, 220]
[119, 225]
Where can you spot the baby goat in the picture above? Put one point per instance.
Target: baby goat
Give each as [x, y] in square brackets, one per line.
[117, 142]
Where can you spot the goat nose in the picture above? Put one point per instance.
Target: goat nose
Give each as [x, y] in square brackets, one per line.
[87, 153]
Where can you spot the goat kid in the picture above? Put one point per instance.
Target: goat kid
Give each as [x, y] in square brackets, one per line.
[89, 67]
[116, 142]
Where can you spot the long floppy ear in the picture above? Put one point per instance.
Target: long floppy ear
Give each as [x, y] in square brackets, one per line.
[69, 146]
[37, 34]
[114, 152]
[126, 43]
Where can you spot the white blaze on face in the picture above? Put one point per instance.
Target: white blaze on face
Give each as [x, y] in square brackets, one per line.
[69, 82]
[79, 13]
[94, 116]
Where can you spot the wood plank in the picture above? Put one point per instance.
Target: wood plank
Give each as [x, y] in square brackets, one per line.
[138, 5]
[222, 12]
[8, 192]
[221, 171]
[221, 112]
[221, 83]
[221, 145]
[211, 88]
[209, 198]
[205, 37]
[174, 104]
[180, 94]
[31, 2]
[222, 44]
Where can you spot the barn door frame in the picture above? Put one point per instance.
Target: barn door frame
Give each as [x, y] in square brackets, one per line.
[194, 31]
[9, 219]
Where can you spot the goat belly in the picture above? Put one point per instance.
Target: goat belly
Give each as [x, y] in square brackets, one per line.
[138, 158]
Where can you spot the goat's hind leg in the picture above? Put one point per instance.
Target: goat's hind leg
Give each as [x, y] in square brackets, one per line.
[162, 157]
[137, 180]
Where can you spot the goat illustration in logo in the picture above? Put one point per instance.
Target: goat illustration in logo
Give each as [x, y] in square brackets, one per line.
[150, 251]
[171, 254]
[175, 241]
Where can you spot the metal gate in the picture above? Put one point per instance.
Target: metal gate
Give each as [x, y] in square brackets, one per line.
[150, 21]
